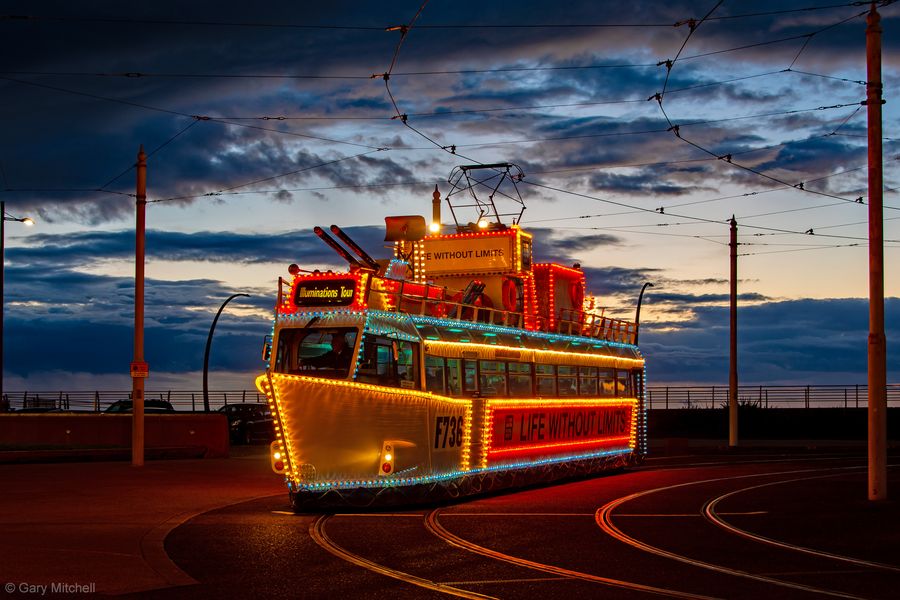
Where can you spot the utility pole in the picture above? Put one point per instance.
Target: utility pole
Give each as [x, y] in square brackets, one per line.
[732, 362]
[139, 368]
[877, 369]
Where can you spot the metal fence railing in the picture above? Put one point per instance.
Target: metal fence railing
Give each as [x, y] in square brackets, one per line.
[767, 396]
[97, 401]
[658, 397]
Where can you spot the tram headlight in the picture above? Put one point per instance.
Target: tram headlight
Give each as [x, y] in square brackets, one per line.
[276, 455]
[387, 460]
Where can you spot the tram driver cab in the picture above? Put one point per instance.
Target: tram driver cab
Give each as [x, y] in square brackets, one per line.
[317, 352]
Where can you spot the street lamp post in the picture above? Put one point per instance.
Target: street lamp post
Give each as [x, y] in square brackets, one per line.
[637, 313]
[208, 345]
[28, 221]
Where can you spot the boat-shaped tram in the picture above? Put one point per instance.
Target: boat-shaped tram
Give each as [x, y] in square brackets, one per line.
[458, 367]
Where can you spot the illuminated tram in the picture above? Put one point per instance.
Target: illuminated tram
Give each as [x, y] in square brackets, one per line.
[457, 368]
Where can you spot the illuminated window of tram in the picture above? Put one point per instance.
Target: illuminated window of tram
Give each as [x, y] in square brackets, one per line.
[519, 380]
[316, 352]
[587, 381]
[546, 380]
[623, 383]
[470, 376]
[434, 374]
[388, 361]
[454, 377]
[567, 380]
[607, 382]
[493, 378]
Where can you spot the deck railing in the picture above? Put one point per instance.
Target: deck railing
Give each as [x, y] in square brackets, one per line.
[424, 302]
[658, 397]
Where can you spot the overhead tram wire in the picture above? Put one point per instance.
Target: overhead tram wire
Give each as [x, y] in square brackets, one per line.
[675, 128]
[282, 25]
[103, 187]
[181, 114]
[681, 216]
[255, 181]
[637, 132]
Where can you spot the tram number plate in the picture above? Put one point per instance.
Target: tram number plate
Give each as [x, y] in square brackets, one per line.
[448, 432]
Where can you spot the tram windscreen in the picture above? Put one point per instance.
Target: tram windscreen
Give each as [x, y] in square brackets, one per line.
[317, 352]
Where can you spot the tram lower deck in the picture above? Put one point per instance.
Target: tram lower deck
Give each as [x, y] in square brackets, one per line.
[383, 408]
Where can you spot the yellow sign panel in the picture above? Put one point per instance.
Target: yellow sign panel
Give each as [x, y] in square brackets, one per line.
[469, 255]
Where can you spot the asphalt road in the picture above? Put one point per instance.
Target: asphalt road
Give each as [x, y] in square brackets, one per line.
[760, 525]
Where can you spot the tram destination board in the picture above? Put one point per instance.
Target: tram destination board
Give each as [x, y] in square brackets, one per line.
[325, 292]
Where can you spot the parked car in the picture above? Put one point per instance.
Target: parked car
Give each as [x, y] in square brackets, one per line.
[150, 406]
[249, 423]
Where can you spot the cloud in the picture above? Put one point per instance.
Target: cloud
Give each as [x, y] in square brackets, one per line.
[796, 341]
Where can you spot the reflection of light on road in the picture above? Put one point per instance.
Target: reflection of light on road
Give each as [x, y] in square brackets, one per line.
[431, 522]
[604, 519]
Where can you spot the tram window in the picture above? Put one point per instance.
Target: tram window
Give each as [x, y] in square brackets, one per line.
[546, 380]
[607, 382]
[587, 381]
[316, 352]
[407, 372]
[567, 380]
[493, 378]
[388, 361]
[622, 384]
[434, 374]
[470, 376]
[519, 380]
[453, 377]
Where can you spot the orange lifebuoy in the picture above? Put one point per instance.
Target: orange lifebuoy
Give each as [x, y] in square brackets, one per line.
[513, 294]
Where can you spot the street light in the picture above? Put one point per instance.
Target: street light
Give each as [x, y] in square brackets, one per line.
[206, 354]
[28, 221]
[637, 314]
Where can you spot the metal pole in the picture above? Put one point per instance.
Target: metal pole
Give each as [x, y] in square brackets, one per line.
[138, 372]
[637, 313]
[732, 366]
[877, 370]
[2, 297]
[208, 345]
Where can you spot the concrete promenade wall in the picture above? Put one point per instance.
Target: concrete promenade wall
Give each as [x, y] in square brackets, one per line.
[769, 423]
[207, 434]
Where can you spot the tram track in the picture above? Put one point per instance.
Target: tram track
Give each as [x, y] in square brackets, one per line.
[318, 534]
[317, 531]
[709, 511]
[432, 524]
[604, 519]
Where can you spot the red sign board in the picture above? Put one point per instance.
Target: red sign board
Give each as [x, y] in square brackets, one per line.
[140, 369]
[548, 429]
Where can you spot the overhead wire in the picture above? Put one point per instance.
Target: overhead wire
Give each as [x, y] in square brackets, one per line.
[182, 114]
[264, 179]
[675, 128]
[151, 153]
[332, 27]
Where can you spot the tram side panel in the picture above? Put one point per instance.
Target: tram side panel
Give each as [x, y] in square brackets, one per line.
[339, 431]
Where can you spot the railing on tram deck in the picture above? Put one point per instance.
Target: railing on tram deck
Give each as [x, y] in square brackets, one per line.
[569, 321]
[423, 304]
[577, 322]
